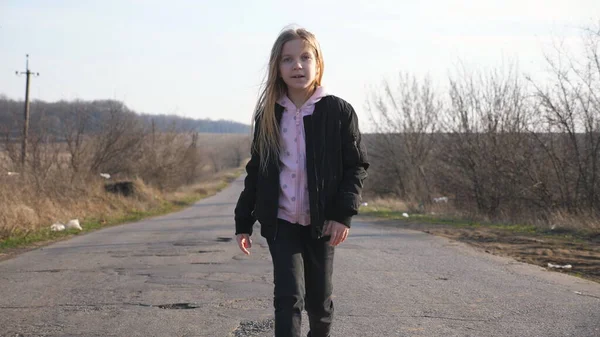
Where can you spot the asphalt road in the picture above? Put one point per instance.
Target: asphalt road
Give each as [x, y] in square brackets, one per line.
[180, 275]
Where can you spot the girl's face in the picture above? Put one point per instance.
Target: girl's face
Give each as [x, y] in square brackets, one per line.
[298, 66]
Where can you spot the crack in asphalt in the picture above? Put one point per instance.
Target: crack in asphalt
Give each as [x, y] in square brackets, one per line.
[79, 305]
[587, 295]
[426, 316]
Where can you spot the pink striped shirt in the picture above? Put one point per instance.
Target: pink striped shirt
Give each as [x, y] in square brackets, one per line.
[293, 190]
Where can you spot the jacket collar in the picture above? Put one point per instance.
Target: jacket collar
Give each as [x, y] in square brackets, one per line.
[318, 108]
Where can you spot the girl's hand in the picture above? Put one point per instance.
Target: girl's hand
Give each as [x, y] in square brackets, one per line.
[244, 242]
[338, 232]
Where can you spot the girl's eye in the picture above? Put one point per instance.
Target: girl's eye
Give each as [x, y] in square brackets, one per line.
[306, 57]
[286, 59]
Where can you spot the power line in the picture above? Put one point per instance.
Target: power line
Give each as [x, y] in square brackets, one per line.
[28, 74]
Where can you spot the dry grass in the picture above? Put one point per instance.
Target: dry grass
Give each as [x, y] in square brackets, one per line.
[98, 209]
[388, 204]
[25, 207]
[41, 196]
[564, 221]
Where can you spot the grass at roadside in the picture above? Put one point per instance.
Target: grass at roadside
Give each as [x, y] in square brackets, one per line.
[25, 240]
[459, 222]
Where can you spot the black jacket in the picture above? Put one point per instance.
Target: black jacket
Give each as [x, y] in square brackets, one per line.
[336, 166]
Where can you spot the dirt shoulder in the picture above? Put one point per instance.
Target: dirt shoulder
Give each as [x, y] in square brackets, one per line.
[580, 252]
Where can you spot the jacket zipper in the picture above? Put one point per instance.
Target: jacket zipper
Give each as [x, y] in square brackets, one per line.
[317, 202]
[297, 179]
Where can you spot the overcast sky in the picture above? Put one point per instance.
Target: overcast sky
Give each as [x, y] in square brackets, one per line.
[206, 59]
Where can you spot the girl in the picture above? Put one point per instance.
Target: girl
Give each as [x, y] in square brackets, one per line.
[304, 182]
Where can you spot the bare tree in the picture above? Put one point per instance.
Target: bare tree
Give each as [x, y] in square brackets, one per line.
[9, 141]
[239, 150]
[570, 109]
[486, 147]
[405, 119]
[191, 161]
[118, 146]
[75, 127]
[43, 152]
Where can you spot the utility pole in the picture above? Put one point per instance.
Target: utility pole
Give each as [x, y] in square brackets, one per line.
[28, 73]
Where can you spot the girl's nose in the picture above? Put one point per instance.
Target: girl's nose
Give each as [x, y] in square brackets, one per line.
[297, 65]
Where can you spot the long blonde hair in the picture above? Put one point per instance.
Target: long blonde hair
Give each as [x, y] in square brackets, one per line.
[267, 142]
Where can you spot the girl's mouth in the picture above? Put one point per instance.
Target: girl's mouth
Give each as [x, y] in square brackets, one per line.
[298, 76]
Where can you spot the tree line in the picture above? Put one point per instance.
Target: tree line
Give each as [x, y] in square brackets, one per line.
[53, 116]
[71, 142]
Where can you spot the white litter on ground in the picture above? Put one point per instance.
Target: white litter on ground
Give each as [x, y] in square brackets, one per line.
[74, 224]
[57, 227]
[558, 266]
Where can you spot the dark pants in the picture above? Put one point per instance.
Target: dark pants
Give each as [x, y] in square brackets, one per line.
[303, 269]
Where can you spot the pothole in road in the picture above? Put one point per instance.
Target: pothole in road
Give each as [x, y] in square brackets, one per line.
[202, 251]
[223, 239]
[49, 271]
[254, 328]
[179, 306]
